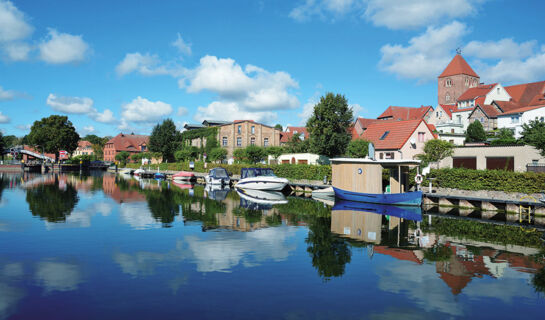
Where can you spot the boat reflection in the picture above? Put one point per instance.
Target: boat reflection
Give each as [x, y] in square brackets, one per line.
[216, 192]
[260, 199]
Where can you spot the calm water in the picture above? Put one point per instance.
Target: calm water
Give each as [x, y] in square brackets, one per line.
[109, 248]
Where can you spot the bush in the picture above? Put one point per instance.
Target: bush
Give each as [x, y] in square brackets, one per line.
[255, 154]
[187, 153]
[217, 154]
[495, 180]
[357, 148]
[475, 132]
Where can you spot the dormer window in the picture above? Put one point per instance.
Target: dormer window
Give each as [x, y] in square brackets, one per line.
[384, 135]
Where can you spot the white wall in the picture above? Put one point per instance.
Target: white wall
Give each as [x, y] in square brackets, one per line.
[311, 158]
[498, 93]
[438, 116]
[506, 121]
[457, 140]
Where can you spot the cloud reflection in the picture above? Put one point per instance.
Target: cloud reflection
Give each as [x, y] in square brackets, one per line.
[137, 215]
[58, 276]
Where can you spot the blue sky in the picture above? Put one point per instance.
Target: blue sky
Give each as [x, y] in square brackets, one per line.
[116, 66]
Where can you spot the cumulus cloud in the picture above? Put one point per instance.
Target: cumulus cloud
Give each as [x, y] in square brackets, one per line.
[147, 65]
[4, 118]
[70, 105]
[182, 46]
[58, 276]
[59, 48]
[6, 94]
[506, 49]
[14, 29]
[143, 110]
[395, 14]
[107, 116]
[9, 298]
[230, 111]
[87, 130]
[426, 55]
[357, 109]
[137, 215]
[17, 51]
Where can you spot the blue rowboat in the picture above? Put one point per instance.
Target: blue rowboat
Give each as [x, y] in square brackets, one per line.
[405, 212]
[398, 199]
[159, 175]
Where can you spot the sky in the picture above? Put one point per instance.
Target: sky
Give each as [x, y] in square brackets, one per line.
[124, 66]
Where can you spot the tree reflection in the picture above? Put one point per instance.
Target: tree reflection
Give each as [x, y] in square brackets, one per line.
[163, 206]
[50, 202]
[329, 253]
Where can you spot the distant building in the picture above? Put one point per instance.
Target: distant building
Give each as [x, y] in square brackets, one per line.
[125, 142]
[359, 127]
[286, 136]
[455, 80]
[84, 148]
[243, 133]
[398, 139]
[296, 158]
[514, 119]
[406, 113]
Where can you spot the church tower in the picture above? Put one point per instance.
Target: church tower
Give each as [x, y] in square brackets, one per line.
[455, 80]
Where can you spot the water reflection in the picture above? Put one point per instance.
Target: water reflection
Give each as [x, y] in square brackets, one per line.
[53, 199]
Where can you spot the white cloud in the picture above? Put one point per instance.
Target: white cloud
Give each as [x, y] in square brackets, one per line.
[182, 111]
[9, 298]
[324, 9]
[230, 111]
[60, 48]
[396, 15]
[17, 51]
[4, 118]
[251, 90]
[23, 127]
[137, 215]
[107, 116]
[357, 109]
[143, 110]
[182, 46]
[70, 105]
[13, 26]
[6, 94]
[58, 276]
[87, 130]
[147, 65]
[506, 49]
[426, 55]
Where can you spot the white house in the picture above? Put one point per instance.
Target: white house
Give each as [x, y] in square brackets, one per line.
[516, 118]
[296, 158]
[487, 93]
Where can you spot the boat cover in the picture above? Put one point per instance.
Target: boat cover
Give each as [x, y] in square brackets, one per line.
[255, 172]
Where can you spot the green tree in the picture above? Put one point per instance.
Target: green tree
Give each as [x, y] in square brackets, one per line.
[358, 148]
[165, 138]
[436, 150]
[533, 134]
[11, 140]
[122, 157]
[297, 144]
[504, 137]
[278, 126]
[187, 153]
[240, 155]
[275, 152]
[255, 154]
[328, 125]
[217, 154]
[475, 132]
[53, 134]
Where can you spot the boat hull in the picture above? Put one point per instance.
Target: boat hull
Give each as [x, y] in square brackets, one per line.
[397, 199]
[263, 183]
[217, 181]
[406, 212]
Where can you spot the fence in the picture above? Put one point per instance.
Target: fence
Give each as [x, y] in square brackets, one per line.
[535, 167]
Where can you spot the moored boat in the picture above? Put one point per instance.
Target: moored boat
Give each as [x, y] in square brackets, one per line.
[138, 172]
[184, 176]
[260, 179]
[217, 176]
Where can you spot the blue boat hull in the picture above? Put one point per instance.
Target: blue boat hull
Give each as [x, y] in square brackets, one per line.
[405, 212]
[398, 199]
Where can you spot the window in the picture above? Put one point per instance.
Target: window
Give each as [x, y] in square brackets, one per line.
[447, 98]
[440, 113]
[421, 136]
[448, 83]
[389, 155]
[467, 82]
[451, 130]
[451, 141]
[384, 135]
[266, 142]
[252, 141]
[437, 114]
[459, 118]
[224, 141]
[474, 83]
[515, 119]
[239, 130]
[498, 90]
[253, 130]
[381, 155]
[542, 119]
[239, 142]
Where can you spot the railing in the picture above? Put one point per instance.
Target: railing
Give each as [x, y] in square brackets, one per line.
[535, 167]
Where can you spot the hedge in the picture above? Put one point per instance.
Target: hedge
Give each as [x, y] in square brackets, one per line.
[291, 171]
[494, 180]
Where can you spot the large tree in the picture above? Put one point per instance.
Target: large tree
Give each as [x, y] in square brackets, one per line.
[165, 138]
[358, 148]
[533, 134]
[328, 125]
[475, 132]
[53, 134]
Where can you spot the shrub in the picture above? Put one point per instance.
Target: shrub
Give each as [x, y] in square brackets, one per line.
[358, 148]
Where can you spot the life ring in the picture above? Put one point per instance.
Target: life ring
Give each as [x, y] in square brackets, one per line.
[418, 179]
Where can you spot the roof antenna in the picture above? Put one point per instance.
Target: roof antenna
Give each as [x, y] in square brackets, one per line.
[458, 50]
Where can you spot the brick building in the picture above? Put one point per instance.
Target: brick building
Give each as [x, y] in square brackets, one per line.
[455, 80]
[125, 142]
[84, 148]
[243, 133]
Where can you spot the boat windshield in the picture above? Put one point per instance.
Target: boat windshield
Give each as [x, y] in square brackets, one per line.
[219, 173]
[256, 172]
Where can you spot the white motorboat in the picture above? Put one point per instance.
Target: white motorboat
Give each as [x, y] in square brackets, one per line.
[326, 194]
[217, 176]
[125, 171]
[262, 197]
[260, 179]
[138, 172]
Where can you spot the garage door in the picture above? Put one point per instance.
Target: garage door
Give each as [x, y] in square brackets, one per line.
[500, 163]
[464, 162]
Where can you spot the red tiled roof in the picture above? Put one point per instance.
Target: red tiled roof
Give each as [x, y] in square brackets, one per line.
[290, 131]
[506, 106]
[237, 121]
[449, 108]
[521, 110]
[458, 65]
[354, 133]
[464, 109]
[405, 113]
[128, 142]
[489, 110]
[84, 143]
[433, 129]
[478, 91]
[399, 133]
[364, 122]
[528, 94]
[455, 282]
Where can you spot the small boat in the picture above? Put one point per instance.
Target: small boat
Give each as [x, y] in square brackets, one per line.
[361, 180]
[138, 172]
[405, 212]
[260, 179]
[126, 171]
[159, 175]
[184, 176]
[217, 176]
